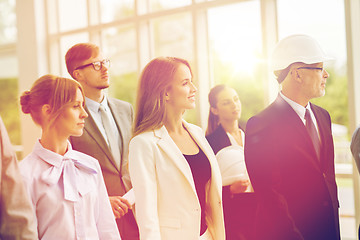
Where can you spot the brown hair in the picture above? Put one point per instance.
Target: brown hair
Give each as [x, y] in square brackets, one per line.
[154, 81]
[56, 91]
[78, 54]
[213, 120]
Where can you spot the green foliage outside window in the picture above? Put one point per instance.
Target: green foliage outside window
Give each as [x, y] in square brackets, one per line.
[335, 100]
[250, 89]
[9, 108]
[252, 94]
[124, 87]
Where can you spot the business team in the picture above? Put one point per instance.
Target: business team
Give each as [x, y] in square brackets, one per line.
[283, 161]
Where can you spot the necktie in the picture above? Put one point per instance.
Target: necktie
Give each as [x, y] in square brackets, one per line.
[310, 127]
[111, 137]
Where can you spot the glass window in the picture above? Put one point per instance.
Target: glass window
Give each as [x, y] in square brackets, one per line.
[325, 21]
[173, 36]
[67, 42]
[236, 53]
[112, 10]
[119, 45]
[70, 10]
[156, 5]
[9, 97]
[8, 29]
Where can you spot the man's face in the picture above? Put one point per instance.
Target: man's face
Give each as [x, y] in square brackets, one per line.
[91, 78]
[313, 78]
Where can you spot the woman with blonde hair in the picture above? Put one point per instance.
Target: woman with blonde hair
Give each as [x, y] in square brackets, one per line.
[66, 186]
[227, 140]
[175, 176]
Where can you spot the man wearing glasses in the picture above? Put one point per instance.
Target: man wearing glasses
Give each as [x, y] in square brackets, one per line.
[289, 150]
[107, 130]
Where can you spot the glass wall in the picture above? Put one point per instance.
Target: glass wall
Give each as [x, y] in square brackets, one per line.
[225, 42]
[119, 45]
[7, 22]
[9, 110]
[237, 57]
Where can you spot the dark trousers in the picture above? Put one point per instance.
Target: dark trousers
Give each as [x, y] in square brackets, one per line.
[127, 227]
[239, 215]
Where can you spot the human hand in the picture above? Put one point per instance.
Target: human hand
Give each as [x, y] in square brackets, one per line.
[119, 205]
[239, 186]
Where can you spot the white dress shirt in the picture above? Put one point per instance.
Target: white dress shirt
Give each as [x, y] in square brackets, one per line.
[233, 141]
[68, 193]
[300, 111]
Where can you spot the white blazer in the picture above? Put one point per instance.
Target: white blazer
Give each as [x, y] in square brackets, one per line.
[167, 206]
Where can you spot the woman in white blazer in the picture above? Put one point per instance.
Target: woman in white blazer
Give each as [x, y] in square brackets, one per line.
[174, 172]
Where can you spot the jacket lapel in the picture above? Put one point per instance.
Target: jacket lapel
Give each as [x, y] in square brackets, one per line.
[322, 131]
[94, 132]
[168, 146]
[292, 123]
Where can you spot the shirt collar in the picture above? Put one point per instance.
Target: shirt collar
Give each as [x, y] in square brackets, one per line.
[71, 167]
[48, 156]
[299, 109]
[55, 159]
[94, 106]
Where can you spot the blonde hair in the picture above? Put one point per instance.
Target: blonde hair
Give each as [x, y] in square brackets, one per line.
[154, 81]
[56, 91]
[213, 120]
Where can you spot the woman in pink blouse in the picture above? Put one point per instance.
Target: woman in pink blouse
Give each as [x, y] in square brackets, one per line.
[66, 186]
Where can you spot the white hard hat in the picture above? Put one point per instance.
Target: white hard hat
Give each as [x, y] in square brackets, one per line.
[232, 165]
[297, 48]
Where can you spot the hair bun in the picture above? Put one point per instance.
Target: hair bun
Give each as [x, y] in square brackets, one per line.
[25, 102]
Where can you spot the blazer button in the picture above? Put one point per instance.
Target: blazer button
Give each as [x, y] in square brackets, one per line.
[324, 175]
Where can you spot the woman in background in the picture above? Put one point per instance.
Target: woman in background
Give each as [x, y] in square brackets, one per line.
[227, 140]
[175, 176]
[66, 186]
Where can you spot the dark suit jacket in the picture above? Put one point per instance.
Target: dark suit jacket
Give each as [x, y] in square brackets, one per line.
[297, 192]
[355, 147]
[117, 180]
[219, 139]
[355, 150]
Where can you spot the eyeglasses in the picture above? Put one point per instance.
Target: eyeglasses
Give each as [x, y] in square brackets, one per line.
[96, 65]
[312, 68]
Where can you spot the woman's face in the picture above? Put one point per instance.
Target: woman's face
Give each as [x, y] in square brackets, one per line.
[228, 106]
[181, 94]
[71, 120]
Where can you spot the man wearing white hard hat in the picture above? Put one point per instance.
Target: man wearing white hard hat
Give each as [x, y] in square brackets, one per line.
[289, 150]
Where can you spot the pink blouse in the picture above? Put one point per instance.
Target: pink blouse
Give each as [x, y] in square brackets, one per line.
[68, 195]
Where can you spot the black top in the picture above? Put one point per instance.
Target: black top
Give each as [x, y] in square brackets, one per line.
[201, 171]
[219, 139]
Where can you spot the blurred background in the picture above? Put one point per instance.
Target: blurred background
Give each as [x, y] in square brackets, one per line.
[226, 41]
